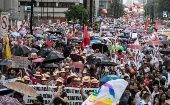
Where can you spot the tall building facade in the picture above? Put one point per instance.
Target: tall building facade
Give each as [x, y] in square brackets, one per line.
[46, 8]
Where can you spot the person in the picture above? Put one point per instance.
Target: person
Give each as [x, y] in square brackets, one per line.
[60, 97]
[145, 99]
[84, 95]
[39, 100]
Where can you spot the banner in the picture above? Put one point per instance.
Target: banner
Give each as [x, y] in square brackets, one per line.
[73, 94]
[20, 62]
[4, 22]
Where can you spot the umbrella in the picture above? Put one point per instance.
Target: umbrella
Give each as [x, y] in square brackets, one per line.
[106, 63]
[15, 34]
[29, 36]
[95, 42]
[22, 88]
[39, 36]
[117, 47]
[34, 50]
[38, 60]
[95, 58]
[76, 58]
[134, 46]
[54, 56]
[165, 51]
[49, 65]
[45, 51]
[6, 100]
[5, 62]
[166, 63]
[21, 50]
[79, 65]
[107, 78]
[102, 47]
[140, 30]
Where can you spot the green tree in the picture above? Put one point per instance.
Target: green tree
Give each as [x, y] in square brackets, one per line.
[77, 12]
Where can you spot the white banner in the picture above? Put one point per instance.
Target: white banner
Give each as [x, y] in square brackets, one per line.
[73, 94]
[4, 22]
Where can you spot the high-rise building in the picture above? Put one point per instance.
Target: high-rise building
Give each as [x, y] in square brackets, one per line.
[47, 8]
[8, 5]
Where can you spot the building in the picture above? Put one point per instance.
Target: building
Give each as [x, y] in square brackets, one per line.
[46, 8]
[8, 5]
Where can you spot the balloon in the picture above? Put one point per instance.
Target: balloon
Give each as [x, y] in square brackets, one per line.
[104, 11]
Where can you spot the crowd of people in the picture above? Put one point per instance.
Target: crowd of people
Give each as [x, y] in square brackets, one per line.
[140, 61]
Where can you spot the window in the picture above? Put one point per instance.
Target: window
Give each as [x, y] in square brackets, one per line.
[65, 4]
[47, 4]
[25, 3]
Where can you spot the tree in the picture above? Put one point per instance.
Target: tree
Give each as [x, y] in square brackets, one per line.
[77, 12]
[116, 9]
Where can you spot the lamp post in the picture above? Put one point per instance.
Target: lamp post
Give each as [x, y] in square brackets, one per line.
[31, 17]
[38, 19]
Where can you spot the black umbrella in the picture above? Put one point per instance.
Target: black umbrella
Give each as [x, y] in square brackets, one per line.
[76, 58]
[5, 62]
[49, 65]
[106, 63]
[45, 51]
[21, 50]
[34, 50]
[54, 56]
[95, 58]
[102, 47]
[166, 63]
[165, 51]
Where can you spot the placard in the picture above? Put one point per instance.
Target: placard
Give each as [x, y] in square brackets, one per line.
[47, 92]
[20, 62]
[4, 22]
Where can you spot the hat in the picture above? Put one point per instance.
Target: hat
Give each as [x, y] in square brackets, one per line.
[72, 75]
[84, 71]
[86, 79]
[46, 75]
[37, 74]
[43, 77]
[167, 102]
[122, 66]
[67, 67]
[77, 79]
[94, 81]
[26, 78]
[55, 73]
[60, 80]
[62, 70]
[19, 79]
[33, 55]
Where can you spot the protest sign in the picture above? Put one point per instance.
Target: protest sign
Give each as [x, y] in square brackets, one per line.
[47, 93]
[20, 62]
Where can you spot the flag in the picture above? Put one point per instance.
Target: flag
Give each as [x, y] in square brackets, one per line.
[147, 23]
[156, 26]
[109, 93]
[48, 42]
[151, 28]
[7, 48]
[86, 36]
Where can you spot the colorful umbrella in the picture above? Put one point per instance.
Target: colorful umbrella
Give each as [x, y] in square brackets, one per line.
[116, 47]
[16, 34]
[108, 78]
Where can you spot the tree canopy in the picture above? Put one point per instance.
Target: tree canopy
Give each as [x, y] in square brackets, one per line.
[77, 13]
